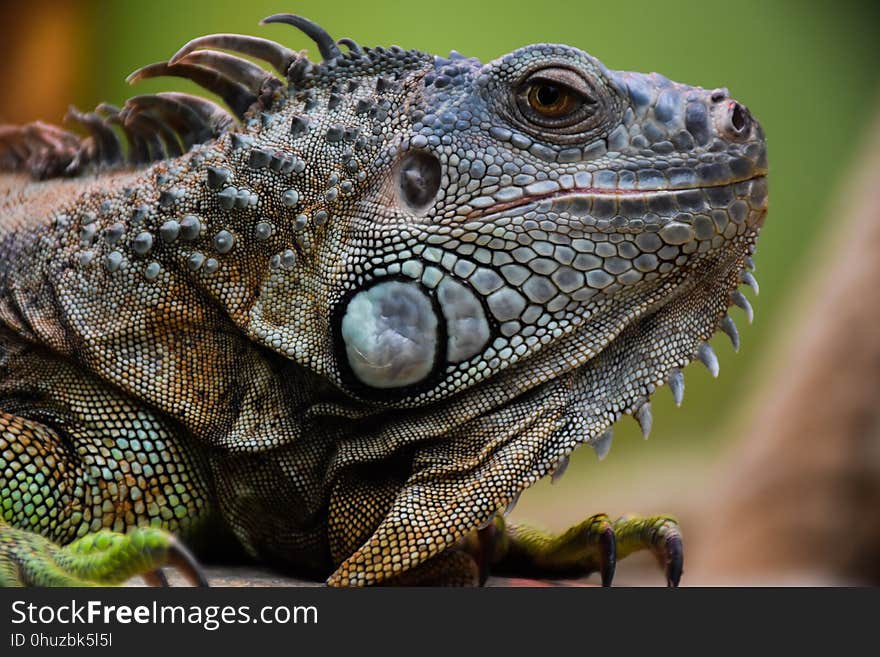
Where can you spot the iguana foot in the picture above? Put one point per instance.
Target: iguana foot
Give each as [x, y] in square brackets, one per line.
[594, 545]
[101, 559]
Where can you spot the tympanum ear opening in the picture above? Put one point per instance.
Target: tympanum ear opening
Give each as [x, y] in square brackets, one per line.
[418, 179]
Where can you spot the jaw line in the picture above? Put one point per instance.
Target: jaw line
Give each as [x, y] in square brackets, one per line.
[504, 207]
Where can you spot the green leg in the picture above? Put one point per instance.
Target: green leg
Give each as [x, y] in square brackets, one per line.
[594, 545]
[100, 559]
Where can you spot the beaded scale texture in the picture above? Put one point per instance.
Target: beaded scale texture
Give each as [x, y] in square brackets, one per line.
[344, 323]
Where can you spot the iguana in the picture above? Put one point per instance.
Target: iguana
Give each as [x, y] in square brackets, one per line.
[340, 327]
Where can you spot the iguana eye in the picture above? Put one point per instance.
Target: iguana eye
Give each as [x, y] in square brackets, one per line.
[556, 98]
[552, 99]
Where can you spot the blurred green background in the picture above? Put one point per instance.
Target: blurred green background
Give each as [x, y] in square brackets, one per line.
[807, 70]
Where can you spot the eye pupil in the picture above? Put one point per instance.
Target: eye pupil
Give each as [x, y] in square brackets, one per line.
[548, 94]
[560, 100]
[551, 100]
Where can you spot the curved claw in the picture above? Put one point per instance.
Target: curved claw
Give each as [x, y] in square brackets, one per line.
[607, 555]
[182, 559]
[155, 578]
[674, 560]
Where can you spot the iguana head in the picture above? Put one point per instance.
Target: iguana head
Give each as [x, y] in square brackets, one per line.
[454, 220]
[490, 262]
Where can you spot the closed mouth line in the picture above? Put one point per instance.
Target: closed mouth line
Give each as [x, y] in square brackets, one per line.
[593, 192]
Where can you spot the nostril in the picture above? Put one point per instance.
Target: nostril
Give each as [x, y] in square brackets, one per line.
[739, 118]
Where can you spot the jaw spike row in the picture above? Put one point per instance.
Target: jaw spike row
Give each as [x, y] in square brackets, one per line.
[740, 301]
[676, 385]
[707, 356]
[645, 419]
[561, 467]
[731, 331]
[747, 278]
[603, 444]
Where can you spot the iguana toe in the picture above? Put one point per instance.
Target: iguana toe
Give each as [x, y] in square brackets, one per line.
[594, 545]
[661, 535]
[103, 558]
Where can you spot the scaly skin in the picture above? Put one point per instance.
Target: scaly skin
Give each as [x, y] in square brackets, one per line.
[345, 327]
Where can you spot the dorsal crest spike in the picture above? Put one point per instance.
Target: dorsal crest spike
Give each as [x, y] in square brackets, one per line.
[160, 138]
[106, 143]
[326, 45]
[275, 54]
[351, 44]
[168, 124]
[41, 149]
[145, 136]
[235, 68]
[238, 96]
[206, 118]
